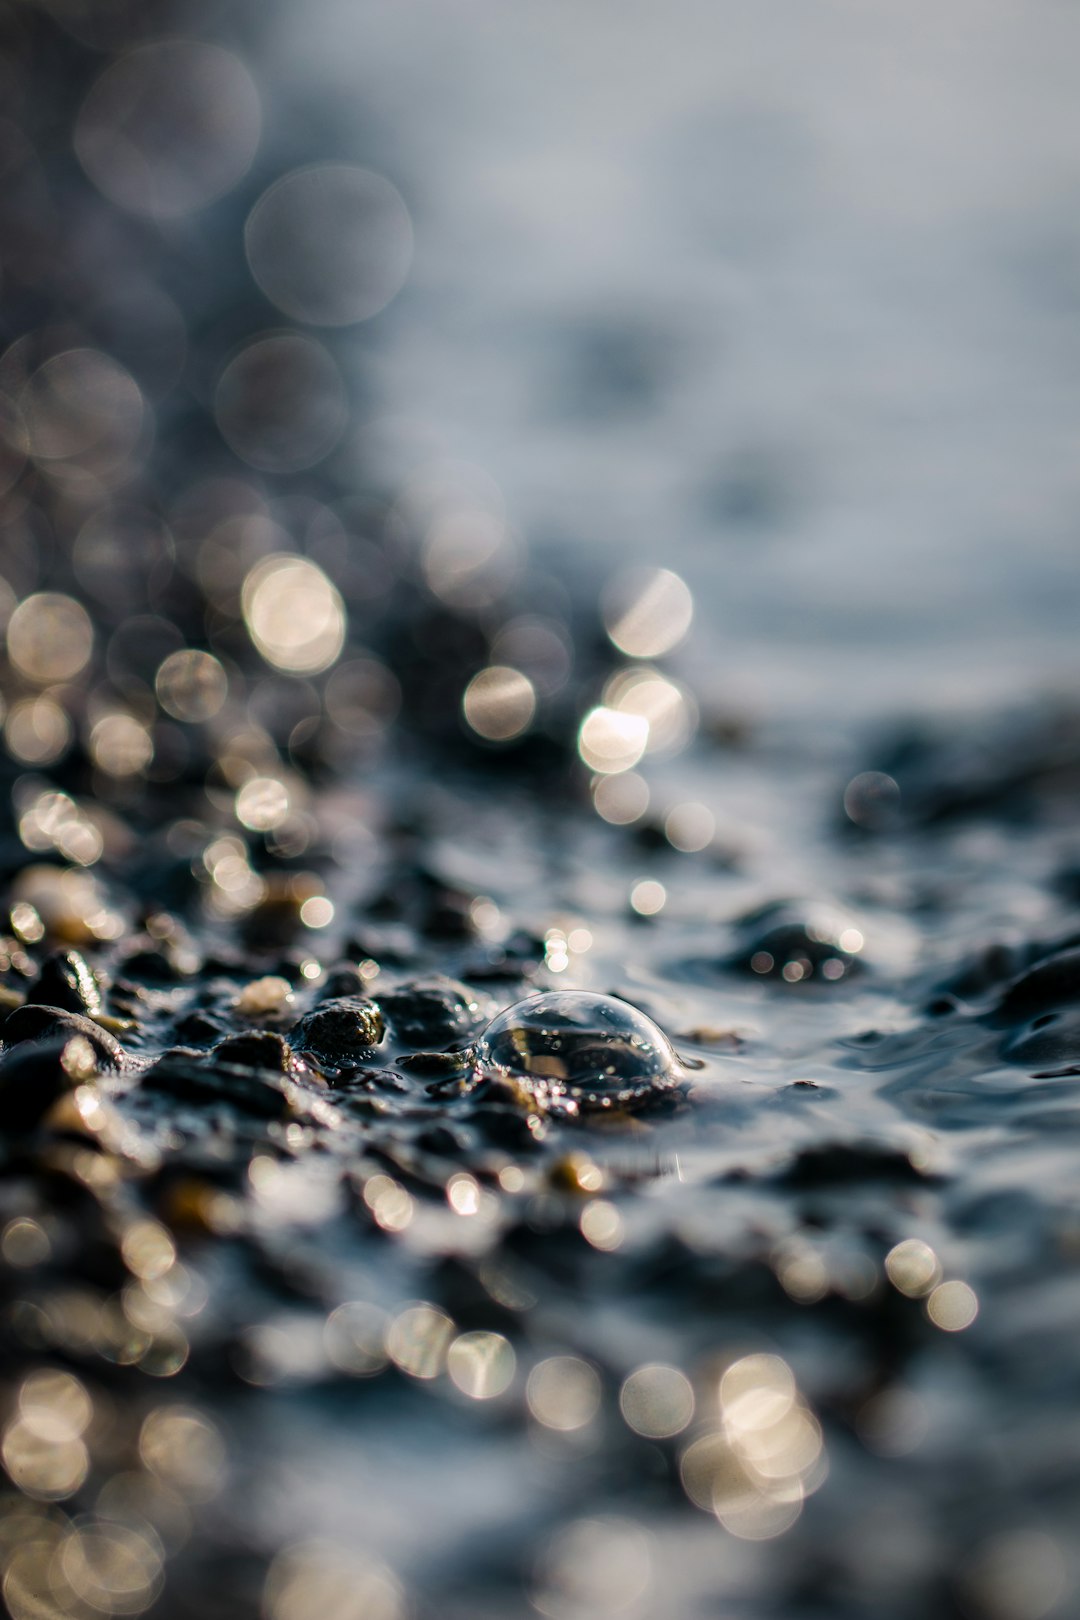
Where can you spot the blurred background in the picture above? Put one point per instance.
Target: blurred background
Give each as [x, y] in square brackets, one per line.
[475, 309]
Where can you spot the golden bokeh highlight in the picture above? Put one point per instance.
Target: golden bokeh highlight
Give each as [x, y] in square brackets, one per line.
[191, 685]
[563, 1393]
[294, 615]
[499, 703]
[647, 611]
[913, 1268]
[755, 1469]
[319, 1580]
[952, 1306]
[609, 741]
[50, 638]
[418, 1340]
[481, 1365]
[169, 127]
[657, 1401]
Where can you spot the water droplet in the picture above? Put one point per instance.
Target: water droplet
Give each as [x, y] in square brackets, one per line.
[596, 1050]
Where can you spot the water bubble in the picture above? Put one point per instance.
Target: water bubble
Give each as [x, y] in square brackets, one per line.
[329, 245]
[597, 1050]
[169, 127]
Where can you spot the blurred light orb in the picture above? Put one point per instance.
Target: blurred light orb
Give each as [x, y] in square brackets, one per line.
[317, 1580]
[647, 611]
[602, 1225]
[362, 698]
[657, 1401]
[14, 444]
[595, 1049]
[183, 1447]
[280, 404]
[621, 799]
[913, 1268]
[610, 742]
[262, 803]
[668, 708]
[647, 897]
[952, 1306]
[330, 245]
[499, 703]
[594, 1569]
[37, 731]
[45, 1468]
[563, 1393]
[294, 615]
[120, 745]
[122, 555]
[418, 1340]
[1015, 1575]
[355, 1339]
[55, 1406]
[538, 647]
[83, 412]
[191, 686]
[872, 800]
[50, 638]
[169, 127]
[481, 1365]
[113, 1568]
[690, 827]
[470, 557]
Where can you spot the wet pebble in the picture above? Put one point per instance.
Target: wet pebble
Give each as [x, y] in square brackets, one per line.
[256, 1049]
[66, 980]
[431, 1012]
[38, 1023]
[340, 1032]
[779, 942]
[32, 1077]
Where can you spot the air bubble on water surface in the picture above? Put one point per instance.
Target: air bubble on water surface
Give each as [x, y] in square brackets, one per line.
[595, 1049]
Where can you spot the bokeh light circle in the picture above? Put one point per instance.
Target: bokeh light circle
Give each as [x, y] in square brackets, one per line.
[329, 245]
[169, 127]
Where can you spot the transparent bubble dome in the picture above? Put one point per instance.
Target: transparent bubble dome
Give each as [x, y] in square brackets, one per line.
[597, 1050]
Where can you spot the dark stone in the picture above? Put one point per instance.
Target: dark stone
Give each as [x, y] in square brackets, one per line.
[256, 1049]
[66, 980]
[200, 1028]
[434, 1065]
[32, 1077]
[344, 980]
[340, 1032]
[778, 936]
[841, 1163]
[38, 1023]
[508, 1128]
[188, 1078]
[431, 1012]
[1053, 982]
